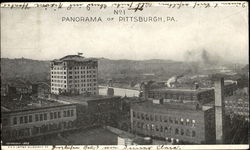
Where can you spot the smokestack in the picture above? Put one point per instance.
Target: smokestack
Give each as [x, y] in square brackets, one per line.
[110, 83]
[196, 86]
[110, 92]
[219, 109]
[145, 90]
[145, 87]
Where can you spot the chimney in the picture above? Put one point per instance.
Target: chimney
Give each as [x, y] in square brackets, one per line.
[219, 109]
[110, 92]
[145, 90]
[196, 86]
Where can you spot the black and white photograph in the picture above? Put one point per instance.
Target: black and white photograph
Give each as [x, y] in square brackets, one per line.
[125, 74]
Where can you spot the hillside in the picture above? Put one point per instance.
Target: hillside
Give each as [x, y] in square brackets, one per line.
[118, 70]
[29, 69]
[39, 70]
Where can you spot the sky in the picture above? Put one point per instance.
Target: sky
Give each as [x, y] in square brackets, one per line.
[40, 34]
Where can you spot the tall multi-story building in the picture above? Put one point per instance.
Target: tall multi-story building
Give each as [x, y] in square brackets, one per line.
[74, 74]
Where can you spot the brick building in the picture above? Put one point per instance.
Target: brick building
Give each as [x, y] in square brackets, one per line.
[182, 115]
[74, 74]
[174, 122]
[238, 105]
[31, 119]
[94, 110]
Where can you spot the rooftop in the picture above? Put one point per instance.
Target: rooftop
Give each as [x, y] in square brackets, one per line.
[25, 103]
[81, 99]
[181, 90]
[75, 58]
[149, 105]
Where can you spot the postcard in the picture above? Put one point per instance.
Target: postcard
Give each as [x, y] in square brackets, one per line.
[125, 75]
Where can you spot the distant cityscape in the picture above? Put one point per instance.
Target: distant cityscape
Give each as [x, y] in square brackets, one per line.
[74, 105]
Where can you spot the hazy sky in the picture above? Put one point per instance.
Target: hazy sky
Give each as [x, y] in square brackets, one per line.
[40, 34]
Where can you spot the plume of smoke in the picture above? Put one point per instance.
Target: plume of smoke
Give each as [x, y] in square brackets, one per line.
[171, 80]
[174, 79]
[201, 56]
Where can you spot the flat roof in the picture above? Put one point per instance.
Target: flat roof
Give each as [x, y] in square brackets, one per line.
[26, 103]
[181, 107]
[74, 58]
[81, 99]
[182, 90]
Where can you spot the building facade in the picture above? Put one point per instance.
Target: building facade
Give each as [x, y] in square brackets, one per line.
[26, 123]
[177, 115]
[94, 110]
[238, 105]
[74, 74]
[199, 96]
[176, 123]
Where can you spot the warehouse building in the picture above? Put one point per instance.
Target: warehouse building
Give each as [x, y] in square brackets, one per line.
[181, 115]
[173, 121]
[30, 118]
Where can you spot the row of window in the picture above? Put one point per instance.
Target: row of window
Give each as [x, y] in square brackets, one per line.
[73, 81]
[82, 85]
[71, 68]
[81, 89]
[59, 81]
[166, 119]
[82, 76]
[194, 97]
[59, 77]
[77, 81]
[58, 85]
[58, 68]
[165, 129]
[45, 128]
[58, 72]
[179, 96]
[42, 116]
[244, 113]
[70, 72]
[82, 72]
[83, 67]
[74, 77]
[56, 88]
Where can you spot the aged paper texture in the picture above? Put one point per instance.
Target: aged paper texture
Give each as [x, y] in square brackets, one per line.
[124, 75]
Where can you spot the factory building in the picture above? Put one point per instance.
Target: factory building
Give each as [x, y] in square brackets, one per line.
[74, 74]
[183, 115]
[175, 115]
[237, 105]
[30, 119]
